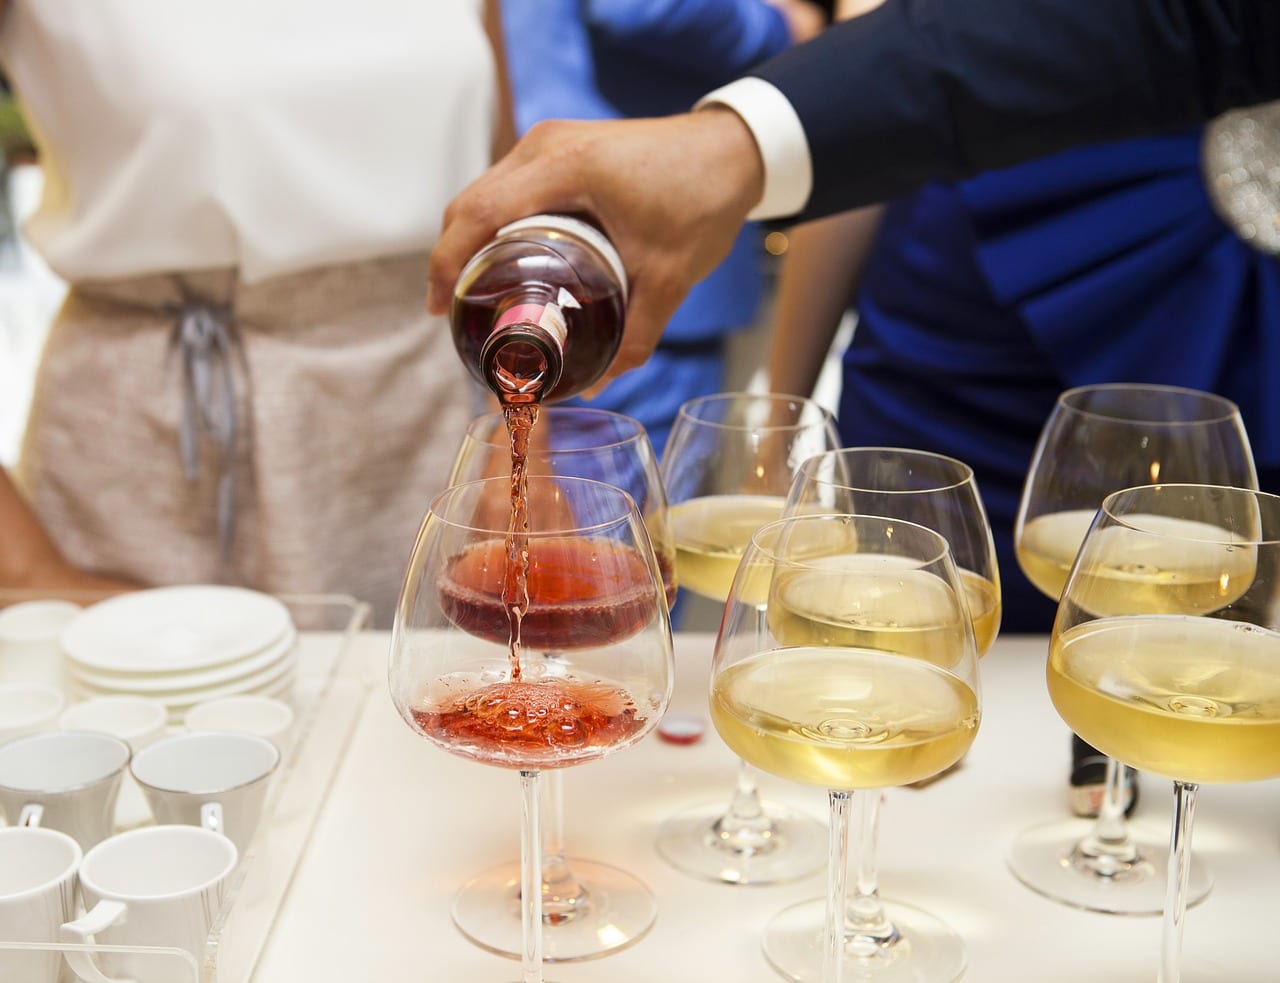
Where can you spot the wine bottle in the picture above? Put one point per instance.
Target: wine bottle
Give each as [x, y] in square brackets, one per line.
[537, 313]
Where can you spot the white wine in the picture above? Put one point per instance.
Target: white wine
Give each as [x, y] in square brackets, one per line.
[843, 718]
[1048, 546]
[1191, 572]
[872, 601]
[1190, 698]
[984, 608]
[1184, 568]
[712, 533]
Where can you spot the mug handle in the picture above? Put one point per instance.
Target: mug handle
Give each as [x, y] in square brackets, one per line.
[32, 814]
[82, 930]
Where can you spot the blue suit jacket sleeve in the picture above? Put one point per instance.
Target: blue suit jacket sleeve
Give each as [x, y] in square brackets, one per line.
[934, 89]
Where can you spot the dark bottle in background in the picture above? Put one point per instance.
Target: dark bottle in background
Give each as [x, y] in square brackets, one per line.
[537, 314]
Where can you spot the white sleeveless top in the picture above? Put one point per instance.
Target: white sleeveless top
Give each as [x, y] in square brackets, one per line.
[267, 135]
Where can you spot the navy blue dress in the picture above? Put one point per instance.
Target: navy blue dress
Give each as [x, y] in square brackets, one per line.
[983, 300]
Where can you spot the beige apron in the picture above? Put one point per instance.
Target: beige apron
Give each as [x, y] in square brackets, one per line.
[286, 435]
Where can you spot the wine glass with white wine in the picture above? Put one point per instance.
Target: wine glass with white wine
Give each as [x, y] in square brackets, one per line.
[1176, 675]
[939, 493]
[865, 677]
[727, 468]
[1099, 439]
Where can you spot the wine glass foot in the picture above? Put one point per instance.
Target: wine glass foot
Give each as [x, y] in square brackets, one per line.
[785, 845]
[924, 949]
[1049, 860]
[609, 911]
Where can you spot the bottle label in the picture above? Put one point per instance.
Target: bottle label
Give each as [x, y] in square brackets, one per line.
[549, 317]
[585, 231]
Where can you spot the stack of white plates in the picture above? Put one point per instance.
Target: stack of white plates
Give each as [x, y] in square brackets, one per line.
[182, 645]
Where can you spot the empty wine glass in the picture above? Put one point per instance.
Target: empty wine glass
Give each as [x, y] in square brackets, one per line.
[939, 493]
[1099, 439]
[1177, 674]
[865, 676]
[588, 908]
[727, 469]
[578, 577]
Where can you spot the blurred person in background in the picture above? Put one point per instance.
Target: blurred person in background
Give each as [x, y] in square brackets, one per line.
[612, 59]
[977, 303]
[242, 385]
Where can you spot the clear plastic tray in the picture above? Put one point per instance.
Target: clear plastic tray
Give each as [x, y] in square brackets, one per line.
[328, 692]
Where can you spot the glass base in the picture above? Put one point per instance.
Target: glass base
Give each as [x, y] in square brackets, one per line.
[608, 910]
[924, 949]
[785, 846]
[1049, 860]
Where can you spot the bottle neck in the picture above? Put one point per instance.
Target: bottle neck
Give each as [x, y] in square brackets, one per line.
[523, 357]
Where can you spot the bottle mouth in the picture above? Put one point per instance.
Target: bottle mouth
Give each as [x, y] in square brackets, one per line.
[522, 362]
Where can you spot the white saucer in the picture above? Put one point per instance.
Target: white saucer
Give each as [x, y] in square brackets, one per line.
[174, 629]
[158, 682]
[189, 696]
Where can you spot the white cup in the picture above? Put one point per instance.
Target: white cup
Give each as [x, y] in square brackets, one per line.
[215, 779]
[136, 720]
[247, 714]
[66, 780]
[37, 894]
[29, 647]
[28, 708]
[154, 887]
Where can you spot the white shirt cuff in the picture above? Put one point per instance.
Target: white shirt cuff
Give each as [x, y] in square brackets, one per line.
[788, 169]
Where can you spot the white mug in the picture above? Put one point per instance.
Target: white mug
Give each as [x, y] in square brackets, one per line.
[136, 720]
[37, 894]
[215, 779]
[248, 713]
[158, 887]
[65, 780]
[30, 651]
[28, 708]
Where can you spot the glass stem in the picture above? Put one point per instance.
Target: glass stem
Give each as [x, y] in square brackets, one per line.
[530, 879]
[837, 881]
[563, 895]
[1175, 902]
[1108, 849]
[867, 927]
[745, 827]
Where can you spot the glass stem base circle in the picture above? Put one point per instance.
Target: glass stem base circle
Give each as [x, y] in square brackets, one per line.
[916, 948]
[589, 910]
[783, 844]
[1065, 862]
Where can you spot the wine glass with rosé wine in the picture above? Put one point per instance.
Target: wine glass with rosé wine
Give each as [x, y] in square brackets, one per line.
[485, 595]
[589, 908]
[727, 468]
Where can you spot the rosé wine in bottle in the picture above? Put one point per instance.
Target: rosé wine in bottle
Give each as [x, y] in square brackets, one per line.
[537, 314]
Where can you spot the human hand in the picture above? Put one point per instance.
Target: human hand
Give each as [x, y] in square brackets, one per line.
[671, 193]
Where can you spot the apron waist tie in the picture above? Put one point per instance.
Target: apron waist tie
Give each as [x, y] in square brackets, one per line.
[202, 334]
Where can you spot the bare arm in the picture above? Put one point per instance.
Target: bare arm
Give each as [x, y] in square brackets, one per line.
[29, 560]
[504, 127]
[820, 274]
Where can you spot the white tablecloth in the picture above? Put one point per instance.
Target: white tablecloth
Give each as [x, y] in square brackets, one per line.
[405, 824]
